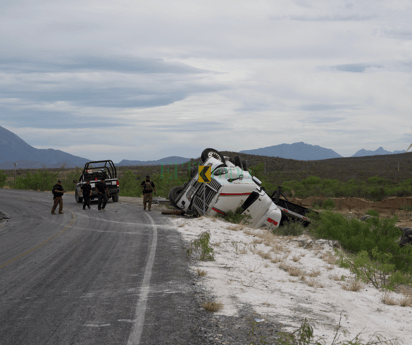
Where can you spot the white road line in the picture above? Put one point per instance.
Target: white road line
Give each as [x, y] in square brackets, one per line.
[137, 329]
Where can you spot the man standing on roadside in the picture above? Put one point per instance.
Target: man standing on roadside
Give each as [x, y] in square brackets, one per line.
[58, 192]
[87, 192]
[148, 188]
[102, 194]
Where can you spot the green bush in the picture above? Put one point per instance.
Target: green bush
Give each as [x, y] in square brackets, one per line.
[3, 178]
[129, 186]
[373, 213]
[290, 228]
[378, 271]
[356, 236]
[375, 188]
[201, 246]
[328, 204]
[40, 180]
[236, 217]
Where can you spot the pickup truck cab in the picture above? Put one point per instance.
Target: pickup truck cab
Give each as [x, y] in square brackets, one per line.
[95, 171]
[231, 189]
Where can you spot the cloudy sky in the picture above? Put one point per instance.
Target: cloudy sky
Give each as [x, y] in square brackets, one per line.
[149, 79]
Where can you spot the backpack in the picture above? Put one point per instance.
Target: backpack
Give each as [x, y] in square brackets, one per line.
[148, 186]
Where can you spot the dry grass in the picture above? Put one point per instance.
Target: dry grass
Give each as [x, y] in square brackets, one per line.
[235, 227]
[406, 302]
[217, 244]
[313, 283]
[264, 255]
[293, 271]
[257, 241]
[276, 259]
[388, 299]
[243, 250]
[213, 306]
[266, 265]
[296, 258]
[329, 267]
[335, 277]
[329, 258]
[313, 273]
[352, 285]
[200, 272]
[182, 225]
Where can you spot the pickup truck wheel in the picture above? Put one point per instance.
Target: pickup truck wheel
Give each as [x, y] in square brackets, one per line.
[78, 198]
[244, 165]
[207, 153]
[115, 197]
[238, 163]
[174, 195]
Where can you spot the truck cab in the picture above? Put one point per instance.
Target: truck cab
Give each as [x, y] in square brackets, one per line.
[232, 188]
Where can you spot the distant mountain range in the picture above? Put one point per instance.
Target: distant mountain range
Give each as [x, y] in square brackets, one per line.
[379, 151]
[13, 149]
[166, 160]
[298, 151]
[307, 152]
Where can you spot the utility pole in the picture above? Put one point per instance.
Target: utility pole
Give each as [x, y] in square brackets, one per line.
[398, 165]
[15, 165]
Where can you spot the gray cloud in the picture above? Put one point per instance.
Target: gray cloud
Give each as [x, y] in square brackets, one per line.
[200, 126]
[322, 119]
[327, 107]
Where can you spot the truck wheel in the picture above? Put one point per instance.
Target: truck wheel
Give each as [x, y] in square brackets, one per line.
[115, 197]
[244, 165]
[207, 153]
[78, 198]
[174, 195]
[238, 163]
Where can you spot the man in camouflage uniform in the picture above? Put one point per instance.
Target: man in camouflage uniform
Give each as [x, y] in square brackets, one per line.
[58, 192]
[148, 188]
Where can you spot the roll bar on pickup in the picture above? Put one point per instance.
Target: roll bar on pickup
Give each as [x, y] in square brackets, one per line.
[108, 164]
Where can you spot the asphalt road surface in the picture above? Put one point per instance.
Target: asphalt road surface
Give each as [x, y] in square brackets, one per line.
[89, 277]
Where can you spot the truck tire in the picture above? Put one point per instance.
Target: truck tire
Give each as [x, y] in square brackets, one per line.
[207, 153]
[115, 197]
[238, 162]
[78, 198]
[244, 165]
[174, 195]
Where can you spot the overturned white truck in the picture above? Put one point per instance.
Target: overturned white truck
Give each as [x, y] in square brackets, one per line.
[231, 188]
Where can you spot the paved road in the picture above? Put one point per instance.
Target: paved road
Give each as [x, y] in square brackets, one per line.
[88, 277]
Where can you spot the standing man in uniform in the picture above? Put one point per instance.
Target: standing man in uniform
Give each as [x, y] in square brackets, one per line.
[87, 192]
[102, 194]
[58, 192]
[148, 188]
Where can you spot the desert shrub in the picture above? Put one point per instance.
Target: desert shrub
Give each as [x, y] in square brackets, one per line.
[378, 270]
[40, 180]
[202, 247]
[356, 236]
[129, 185]
[236, 217]
[289, 228]
[373, 213]
[328, 204]
[3, 178]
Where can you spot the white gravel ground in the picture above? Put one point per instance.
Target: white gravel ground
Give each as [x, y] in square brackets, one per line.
[240, 275]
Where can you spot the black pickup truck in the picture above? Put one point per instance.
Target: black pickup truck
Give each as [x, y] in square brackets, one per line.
[95, 171]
